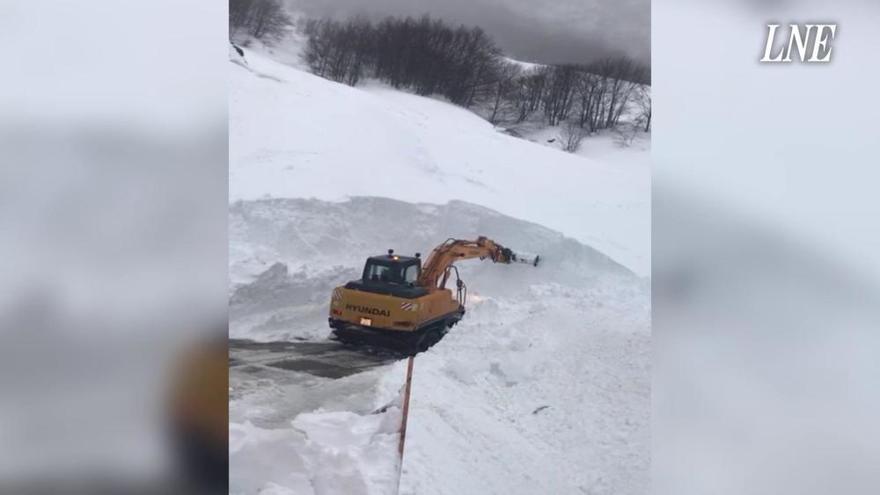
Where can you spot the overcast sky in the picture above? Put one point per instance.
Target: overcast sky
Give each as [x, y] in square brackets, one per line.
[546, 31]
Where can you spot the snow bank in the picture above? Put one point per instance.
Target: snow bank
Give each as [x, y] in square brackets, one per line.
[350, 453]
[325, 453]
[286, 256]
[255, 460]
[546, 393]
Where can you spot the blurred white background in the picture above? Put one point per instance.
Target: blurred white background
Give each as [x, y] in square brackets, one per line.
[113, 156]
[766, 253]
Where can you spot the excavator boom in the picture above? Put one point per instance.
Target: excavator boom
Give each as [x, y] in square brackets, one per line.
[435, 270]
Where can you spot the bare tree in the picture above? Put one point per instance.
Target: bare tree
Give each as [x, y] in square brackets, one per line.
[239, 14]
[620, 76]
[528, 94]
[590, 90]
[571, 136]
[643, 102]
[318, 46]
[505, 84]
[423, 54]
[616, 71]
[625, 133]
[262, 19]
[559, 93]
[465, 66]
[340, 51]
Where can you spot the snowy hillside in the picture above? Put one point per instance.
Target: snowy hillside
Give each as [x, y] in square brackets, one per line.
[293, 134]
[544, 387]
[526, 66]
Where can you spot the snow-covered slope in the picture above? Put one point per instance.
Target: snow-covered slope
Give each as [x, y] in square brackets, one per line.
[525, 66]
[293, 134]
[548, 392]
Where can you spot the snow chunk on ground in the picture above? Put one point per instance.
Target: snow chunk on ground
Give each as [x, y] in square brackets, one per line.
[255, 464]
[326, 453]
[351, 453]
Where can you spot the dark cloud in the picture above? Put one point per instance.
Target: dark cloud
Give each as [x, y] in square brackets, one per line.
[534, 30]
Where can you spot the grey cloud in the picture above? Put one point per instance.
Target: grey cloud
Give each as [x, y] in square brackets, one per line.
[534, 30]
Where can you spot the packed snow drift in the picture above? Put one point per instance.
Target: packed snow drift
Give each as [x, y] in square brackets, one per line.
[298, 250]
[542, 388]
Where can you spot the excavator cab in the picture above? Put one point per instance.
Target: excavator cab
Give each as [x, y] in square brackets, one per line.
[392, 269]
[391, 274]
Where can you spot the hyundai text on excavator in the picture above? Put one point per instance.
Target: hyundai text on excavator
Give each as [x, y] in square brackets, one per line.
[400, 303]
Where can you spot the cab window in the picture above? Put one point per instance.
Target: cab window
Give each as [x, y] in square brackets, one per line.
[379, 273]
[411, 274]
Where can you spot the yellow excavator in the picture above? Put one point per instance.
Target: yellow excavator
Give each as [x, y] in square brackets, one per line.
[399, 303]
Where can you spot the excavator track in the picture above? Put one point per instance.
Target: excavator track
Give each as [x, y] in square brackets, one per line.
[406, 342]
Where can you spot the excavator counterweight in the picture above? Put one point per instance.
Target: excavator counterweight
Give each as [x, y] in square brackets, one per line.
[400, 303]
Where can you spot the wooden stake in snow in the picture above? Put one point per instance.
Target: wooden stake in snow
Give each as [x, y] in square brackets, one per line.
[404, 417]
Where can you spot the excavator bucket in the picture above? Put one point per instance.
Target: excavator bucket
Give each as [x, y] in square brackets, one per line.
[527, 259]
